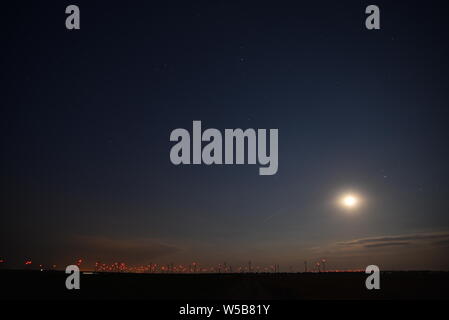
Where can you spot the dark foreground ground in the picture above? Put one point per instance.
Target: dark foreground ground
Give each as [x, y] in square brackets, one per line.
[394, 285]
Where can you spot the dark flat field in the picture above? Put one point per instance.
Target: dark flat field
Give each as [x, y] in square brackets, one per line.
[394, 285]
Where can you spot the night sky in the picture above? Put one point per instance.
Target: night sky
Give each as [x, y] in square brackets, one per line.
[86, 118]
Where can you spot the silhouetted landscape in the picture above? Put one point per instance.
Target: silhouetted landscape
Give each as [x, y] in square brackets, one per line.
[49, 285]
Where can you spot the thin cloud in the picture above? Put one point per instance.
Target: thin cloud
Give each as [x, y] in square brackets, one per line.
[397, 240]
[387, 244]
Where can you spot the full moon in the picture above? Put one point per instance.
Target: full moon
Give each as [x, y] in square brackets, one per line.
[350, 201]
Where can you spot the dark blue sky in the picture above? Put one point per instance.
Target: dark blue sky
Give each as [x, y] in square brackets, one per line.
[87, 115]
